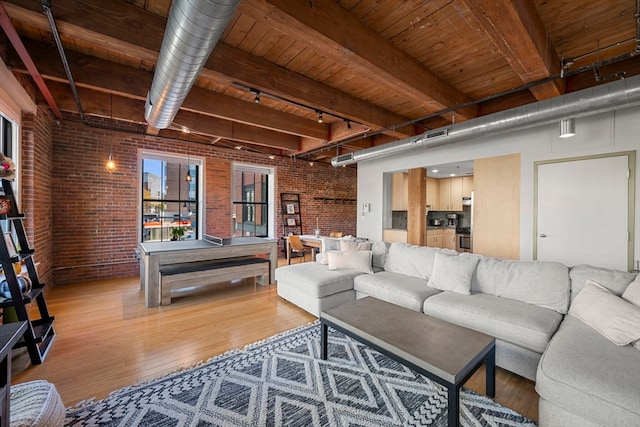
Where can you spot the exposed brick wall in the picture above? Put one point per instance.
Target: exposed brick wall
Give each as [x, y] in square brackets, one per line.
[94, 212]
[36, 194]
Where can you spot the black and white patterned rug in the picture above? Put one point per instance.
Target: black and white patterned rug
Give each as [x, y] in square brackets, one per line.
[282, 381]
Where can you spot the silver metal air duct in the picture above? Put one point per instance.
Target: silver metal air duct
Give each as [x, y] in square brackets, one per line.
[598, 99]
[193, 29]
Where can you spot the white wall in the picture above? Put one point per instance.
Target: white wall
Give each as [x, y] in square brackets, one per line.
[604, 133]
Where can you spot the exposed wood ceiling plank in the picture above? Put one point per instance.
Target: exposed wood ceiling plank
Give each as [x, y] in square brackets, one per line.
[336, 33]
[225, 65]
[517, 31]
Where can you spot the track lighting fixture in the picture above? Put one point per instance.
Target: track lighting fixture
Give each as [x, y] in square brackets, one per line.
[319, 116]
[256, 92]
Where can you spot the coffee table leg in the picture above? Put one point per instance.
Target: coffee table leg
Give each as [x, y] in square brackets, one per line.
[490, 366]
[324, 331]
[454, 405]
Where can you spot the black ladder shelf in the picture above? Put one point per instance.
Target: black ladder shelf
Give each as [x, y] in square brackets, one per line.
[40, 333]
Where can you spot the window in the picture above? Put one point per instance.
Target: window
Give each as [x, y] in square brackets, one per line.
[252, 199]
[170, 204]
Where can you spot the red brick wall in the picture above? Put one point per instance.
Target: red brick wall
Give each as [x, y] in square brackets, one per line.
[94, 213]
[36, 195]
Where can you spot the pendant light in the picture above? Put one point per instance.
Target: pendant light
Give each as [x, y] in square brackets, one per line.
[188, 176]
[111, 164]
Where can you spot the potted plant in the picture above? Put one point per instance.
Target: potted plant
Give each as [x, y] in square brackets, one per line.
[177, 233]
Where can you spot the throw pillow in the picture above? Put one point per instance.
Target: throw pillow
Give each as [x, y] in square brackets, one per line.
[322, 257]
[632, 293]
[614, 318]
[330, 244]
[452, 273]
[351, 260]
[346, 245]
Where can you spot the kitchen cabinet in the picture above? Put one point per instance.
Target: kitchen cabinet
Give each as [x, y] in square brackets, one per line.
[432, 194]
[394, 235]
[467, 186]
[399, 192]
[434, 238]
[450, 194]
[449, 239]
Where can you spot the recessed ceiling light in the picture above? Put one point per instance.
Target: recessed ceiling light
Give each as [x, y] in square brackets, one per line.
[452, 174]
[435, 171]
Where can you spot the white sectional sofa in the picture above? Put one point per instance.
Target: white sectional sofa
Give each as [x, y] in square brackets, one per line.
[583, 379]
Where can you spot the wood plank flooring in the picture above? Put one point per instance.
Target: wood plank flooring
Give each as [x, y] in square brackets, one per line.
[107, 339]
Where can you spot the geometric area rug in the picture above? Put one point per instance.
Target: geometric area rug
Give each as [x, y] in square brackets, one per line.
[282, 381]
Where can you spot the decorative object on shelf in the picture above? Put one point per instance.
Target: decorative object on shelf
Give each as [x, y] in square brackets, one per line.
[177, 233]
[316, 232]
[5, 205]
[7, 167]
[24, 283]
[291, 209]
[10, 246]
[291, 222]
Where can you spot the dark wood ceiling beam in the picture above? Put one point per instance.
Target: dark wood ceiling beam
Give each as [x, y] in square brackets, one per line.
[85, 20]
[132, 110]
[332, 30]
[101, 75]
[235, 65]
[519, 34]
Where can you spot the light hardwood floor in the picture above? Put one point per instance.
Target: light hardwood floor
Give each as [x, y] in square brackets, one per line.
[107, 339]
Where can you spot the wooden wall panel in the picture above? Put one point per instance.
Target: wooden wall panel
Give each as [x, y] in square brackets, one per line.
[417, 213]
[496, 206]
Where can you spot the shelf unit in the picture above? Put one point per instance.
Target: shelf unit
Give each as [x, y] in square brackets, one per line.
[15, 248]
[291, 216]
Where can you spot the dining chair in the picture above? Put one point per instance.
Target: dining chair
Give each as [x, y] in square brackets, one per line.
[335, 234]
[296, 247]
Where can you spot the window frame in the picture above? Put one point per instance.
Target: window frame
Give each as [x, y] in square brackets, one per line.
[197, 179]
[270, 203]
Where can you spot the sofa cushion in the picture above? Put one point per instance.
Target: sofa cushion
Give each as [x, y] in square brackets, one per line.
[316, 279]
[526, 325]
[584, 373]
[410, 260]
[542, 283]
[614, 280]
[349, 260]
[452, 273]
[380, 251]
[347, 245]
[632, 293]
[616, 319]
[396, 288]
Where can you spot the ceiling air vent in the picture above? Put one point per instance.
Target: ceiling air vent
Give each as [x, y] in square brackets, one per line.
[437, 133]
[344, 158]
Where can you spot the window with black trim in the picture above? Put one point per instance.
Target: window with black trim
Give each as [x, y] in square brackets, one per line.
[250, 201]
[170, 202]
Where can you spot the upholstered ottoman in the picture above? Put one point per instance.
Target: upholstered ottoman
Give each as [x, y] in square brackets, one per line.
[314, 288]
[36, 403]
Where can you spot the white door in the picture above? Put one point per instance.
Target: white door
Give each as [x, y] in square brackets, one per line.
[583, 212]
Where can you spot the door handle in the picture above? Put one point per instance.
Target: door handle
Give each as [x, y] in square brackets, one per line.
[542, 235]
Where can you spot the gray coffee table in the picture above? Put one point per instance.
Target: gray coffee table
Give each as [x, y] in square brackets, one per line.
[439, 350]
